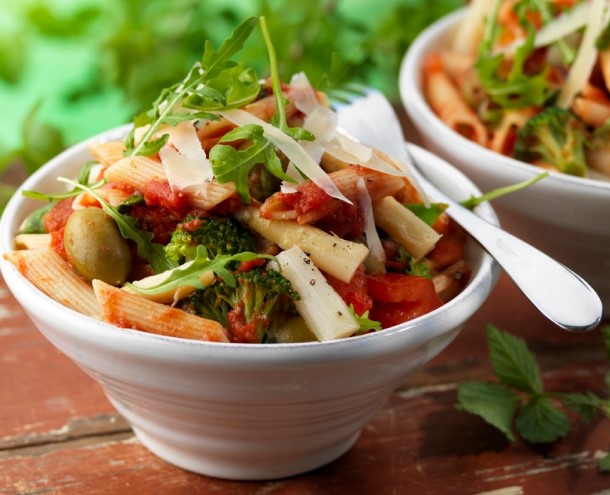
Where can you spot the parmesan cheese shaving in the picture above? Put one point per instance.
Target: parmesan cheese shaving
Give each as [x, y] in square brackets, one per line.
[561, 26]
[184, 161]
[303, 94]
[377, 257]
[581, 69]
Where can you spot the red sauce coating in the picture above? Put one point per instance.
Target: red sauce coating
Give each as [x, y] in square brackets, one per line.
[56, 218]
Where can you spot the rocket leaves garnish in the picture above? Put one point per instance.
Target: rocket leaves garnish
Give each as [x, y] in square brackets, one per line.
[213, 83]
[231, 164]
[190, 274]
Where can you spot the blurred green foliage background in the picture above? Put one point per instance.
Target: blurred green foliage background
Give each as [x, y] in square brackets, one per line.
[72, 68]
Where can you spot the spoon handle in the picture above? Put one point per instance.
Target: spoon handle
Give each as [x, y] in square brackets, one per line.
[559, 293]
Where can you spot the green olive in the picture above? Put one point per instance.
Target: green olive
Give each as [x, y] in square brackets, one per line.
[292, 330]
[95, 247]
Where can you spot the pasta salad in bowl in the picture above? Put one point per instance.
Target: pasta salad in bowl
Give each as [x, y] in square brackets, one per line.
[507, 90]
[247, 283]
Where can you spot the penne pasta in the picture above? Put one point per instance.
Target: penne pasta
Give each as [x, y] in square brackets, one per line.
[416, 236]
[55, 277]
[138, 171]
[130, 311]
[339, 257]
[591, 112]
[32, 241]
[107, 153]
[135, 171]
[469, 33]
[449, 105]
[503, 136]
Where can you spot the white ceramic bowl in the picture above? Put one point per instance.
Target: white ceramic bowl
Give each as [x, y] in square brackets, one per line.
[234, 410]
[567, 217]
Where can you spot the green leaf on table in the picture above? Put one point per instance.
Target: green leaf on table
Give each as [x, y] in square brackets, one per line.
[493, 402]
[512, 361]
[587, 405]
[539, 421]
[604, 464]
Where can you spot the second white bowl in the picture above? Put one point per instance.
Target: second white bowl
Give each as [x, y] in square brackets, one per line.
[567, 217]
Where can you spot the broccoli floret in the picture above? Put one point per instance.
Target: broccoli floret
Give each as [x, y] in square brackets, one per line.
[261, 297]
[219, 235]
[554, 136]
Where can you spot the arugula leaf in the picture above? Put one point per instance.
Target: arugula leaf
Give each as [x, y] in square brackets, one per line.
[83, 179]
[474, 201]
[33, 223]
[512, 361]
[517, 89]
[279, 119]
[153, 252]
[587, 405]
[365, 323]
[420, 267]
[230, 164]
[427, 214]
[190, 274]
[539, 421]
[495, 403]
[212, 84]
[524, 9]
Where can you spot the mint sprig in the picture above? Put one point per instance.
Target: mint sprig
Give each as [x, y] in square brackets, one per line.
[519, 402]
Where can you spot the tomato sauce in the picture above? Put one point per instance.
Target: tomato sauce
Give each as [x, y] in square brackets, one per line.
[159, 193]
[57, 217]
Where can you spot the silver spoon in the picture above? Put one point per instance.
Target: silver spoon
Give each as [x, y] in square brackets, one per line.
[560, 294]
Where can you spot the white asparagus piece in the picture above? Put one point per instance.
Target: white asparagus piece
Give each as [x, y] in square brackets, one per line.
[325, 313]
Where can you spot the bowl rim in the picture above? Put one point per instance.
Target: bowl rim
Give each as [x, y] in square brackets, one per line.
[433, 324]
[409, 82]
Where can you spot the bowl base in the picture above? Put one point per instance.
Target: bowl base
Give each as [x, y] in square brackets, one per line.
[243, 469]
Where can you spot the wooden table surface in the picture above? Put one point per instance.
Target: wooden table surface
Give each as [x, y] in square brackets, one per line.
[60, 435]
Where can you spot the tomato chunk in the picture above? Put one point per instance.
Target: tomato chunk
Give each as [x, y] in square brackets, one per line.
[354, 292]
[398, 298]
